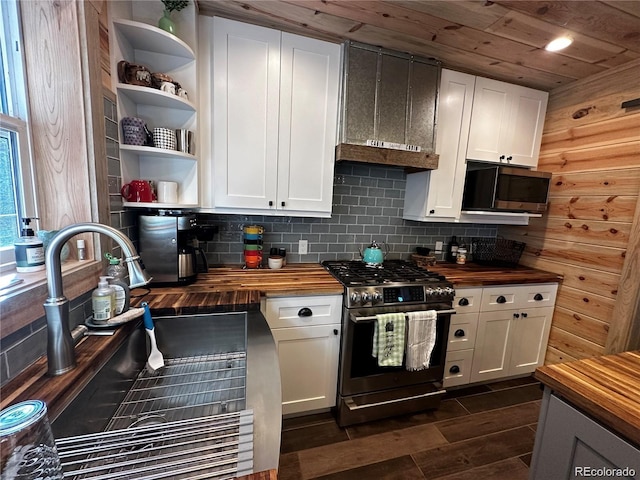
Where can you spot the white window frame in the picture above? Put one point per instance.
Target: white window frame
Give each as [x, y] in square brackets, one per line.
[16, 121]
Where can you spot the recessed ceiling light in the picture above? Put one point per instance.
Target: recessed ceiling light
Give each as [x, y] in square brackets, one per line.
[559, 43]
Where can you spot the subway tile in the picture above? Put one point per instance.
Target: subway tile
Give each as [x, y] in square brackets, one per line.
[4, 369]
[338, 228]
[355, 229]
[357, 210]
[368, 201]
[384, 202]
[372, 229]
[350, 200]
[376, 192]
[359, 191]
[381, 220]
[113, 168]
[389, 212]
[24, 353]
[350, 219]
[376, 211]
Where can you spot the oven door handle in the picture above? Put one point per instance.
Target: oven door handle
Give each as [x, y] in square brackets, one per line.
[352, 405]
[355, 319]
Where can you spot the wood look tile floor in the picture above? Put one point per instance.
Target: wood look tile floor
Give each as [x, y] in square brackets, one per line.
[482, 432]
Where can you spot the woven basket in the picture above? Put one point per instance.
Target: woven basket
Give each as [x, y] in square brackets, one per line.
[498, 252]
[424, 260]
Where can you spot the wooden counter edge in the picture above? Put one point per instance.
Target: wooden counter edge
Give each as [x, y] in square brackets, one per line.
[265, 475]
[35, 383]
[553, 378]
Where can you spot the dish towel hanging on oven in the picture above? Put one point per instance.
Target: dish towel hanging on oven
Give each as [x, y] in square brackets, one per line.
[421, 338]
[388, 339]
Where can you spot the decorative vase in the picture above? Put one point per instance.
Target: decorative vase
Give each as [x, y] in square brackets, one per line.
[166, 24]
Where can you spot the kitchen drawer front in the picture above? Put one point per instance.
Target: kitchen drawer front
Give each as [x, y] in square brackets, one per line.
[462, 331]
[503, 297]
[538, 295]
[292, 311]
[467, 300]
[457, 368]
[509, 297]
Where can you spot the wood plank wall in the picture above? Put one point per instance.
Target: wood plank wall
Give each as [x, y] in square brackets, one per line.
[592, 147]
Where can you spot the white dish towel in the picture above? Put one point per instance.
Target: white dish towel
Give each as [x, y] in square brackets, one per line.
[421, 339]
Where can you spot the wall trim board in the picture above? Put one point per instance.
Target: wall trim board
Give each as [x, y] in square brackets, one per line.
[601, 183]
[569, 342]
[590, 328]
[619, 208]
[596, 158]
[625, 331]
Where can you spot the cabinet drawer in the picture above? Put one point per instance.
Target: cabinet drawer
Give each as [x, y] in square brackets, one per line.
[457, 368]
[519, 296]
[301, 311]
[503, 297]
[538, 295]
[467, 300]
[462, 331]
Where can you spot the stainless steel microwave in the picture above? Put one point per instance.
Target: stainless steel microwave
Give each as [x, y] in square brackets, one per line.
[499, 188]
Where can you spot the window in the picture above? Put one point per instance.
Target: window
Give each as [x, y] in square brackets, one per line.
[17, 198]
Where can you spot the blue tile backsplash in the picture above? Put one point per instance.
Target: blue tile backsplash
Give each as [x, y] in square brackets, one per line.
[367, 205]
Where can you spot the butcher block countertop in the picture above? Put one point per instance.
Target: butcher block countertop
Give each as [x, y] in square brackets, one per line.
[474, 275]
[604, 387]
[234, 285]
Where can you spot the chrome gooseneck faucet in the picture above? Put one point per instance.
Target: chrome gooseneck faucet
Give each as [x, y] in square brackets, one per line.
[60, 345]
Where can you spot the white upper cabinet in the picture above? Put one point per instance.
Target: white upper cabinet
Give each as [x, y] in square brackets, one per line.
[437, 194]
[161, 52]
[273, 114]
[478, 119]
[506, 123]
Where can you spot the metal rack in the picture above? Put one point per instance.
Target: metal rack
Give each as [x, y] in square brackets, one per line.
[214, 447]
[186, 420]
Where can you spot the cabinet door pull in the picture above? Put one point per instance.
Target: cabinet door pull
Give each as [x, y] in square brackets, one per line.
[509, 158]
[516, 315]
[463, 302]
[271, 203]
[335, 331]
[501, 299]
[459, 333]
[454, 369]
[282, 204]
[524, 315]
[537, 297]
[501, 158]
[305, 312]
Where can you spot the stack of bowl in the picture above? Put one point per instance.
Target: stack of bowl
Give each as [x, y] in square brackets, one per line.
[253, 246]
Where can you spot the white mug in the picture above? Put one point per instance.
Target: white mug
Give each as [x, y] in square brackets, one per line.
[167, 192]
[183, 93]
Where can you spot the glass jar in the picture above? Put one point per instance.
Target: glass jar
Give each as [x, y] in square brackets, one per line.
[461, 258]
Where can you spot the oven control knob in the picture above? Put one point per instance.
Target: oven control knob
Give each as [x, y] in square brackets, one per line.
[449, 291]
[429, 292]
[376, 297]
[366, 298]
[355, 296]
[438, 291]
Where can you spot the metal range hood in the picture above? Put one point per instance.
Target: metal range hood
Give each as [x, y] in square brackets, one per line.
[389, 108]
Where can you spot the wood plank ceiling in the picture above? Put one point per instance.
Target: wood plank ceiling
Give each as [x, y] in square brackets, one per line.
[498, 39]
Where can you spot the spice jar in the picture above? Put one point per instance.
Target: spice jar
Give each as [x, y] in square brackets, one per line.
[461, 259]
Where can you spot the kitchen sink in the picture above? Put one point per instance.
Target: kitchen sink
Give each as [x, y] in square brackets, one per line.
[185, 420]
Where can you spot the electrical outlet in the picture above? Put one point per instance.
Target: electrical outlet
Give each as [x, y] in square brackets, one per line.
[303, 246]
[438, 246]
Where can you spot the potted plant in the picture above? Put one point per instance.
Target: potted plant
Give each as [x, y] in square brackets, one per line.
[165, 22]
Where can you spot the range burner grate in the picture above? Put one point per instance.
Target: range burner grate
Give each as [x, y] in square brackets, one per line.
[355, 273]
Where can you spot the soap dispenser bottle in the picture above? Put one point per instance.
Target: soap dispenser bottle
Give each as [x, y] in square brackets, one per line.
[103, 300]
[118, 273]
[29, 249]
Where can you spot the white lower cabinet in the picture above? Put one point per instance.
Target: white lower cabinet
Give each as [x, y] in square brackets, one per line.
[500, 332]
[513, 330]
[307, 335]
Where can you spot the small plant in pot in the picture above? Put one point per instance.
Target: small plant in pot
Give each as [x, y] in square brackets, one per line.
[166, 23]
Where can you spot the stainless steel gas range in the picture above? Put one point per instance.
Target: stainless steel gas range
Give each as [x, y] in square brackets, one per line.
[368, 391]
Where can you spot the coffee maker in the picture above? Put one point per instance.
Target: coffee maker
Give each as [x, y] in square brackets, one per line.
[168, 248]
